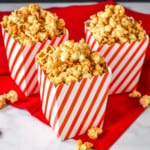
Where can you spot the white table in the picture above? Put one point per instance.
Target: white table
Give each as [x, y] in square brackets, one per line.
[21, 131]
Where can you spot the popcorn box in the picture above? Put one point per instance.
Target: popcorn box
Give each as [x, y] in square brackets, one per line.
[72, 109]
[21, 61]
[125, 60]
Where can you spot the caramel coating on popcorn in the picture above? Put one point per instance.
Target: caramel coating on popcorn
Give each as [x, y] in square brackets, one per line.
[84, 146]
[94, 132]
[31, 24]
[2, 101]
[70, 61]
[145, 101]
[113, 26]
[11, 96]
[135, 94]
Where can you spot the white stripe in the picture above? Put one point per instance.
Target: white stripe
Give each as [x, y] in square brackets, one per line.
[15, 51]
[96, 105]
[111, 52]
[87, 36]
[128, 79]
[27, 64]
[127, 69]
[5, 39]
[50, 100]
[119, 55]
[133, 83]
[59, 102]
[95, 46]
[10, 44]
[76, 107]
[91, 41]
[85, 108]
[47, 84]
[17, 62]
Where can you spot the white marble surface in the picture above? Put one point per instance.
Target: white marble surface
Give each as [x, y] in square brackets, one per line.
[21, 131]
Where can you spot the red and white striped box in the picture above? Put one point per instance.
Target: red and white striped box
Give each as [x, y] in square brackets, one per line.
[21, 61]
[125, 60]
[74, 108]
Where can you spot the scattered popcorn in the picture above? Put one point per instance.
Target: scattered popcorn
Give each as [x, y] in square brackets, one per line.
[11, 96]
[145, 101]
[2, 101]
[94, 132]
[113, 26]
[32, 24]
[84, 146]
[70, 61]
[135, 94]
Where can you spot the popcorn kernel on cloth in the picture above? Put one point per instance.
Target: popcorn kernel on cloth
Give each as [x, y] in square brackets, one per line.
[11, 96]
[94, 132]
[71, 61]
[145, 101]
[31, 24]
[135, 94]
[113, 26]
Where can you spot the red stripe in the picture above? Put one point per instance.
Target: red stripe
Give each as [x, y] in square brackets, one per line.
[93, 102]
[11, 50]
[129, 72]
[15, 59]
[89, 38]
[7, 42]
[27, 71]
[59, 89]
[61, 39]
[47, 97]
[34, 90]
[93, 44]
[116, 52]
[132, 79]
[65, 99]
[102, 119]
[44, 85]
[53, 41]
[31, 64]
[99, 108]
[74, 101]
[99, 48]
[82, 105]
[29, 82]
[123, 56]
[108, 50]
[24, 59]
[128, 62]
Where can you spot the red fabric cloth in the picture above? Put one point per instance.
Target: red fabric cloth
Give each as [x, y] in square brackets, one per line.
[121, 111]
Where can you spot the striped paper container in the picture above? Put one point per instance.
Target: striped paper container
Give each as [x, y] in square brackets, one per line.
[72, 109]
[21, 61]
[125, 60]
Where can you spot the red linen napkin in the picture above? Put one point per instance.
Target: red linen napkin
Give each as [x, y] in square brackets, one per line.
[121, 111]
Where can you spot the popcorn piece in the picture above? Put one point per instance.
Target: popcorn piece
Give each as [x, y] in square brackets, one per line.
[135, 94]
[32, 24]
[11, 96]
[2, 100]
[84, 146]
[94, 132]
[113, 26]
[70, 61]
[145, 101]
